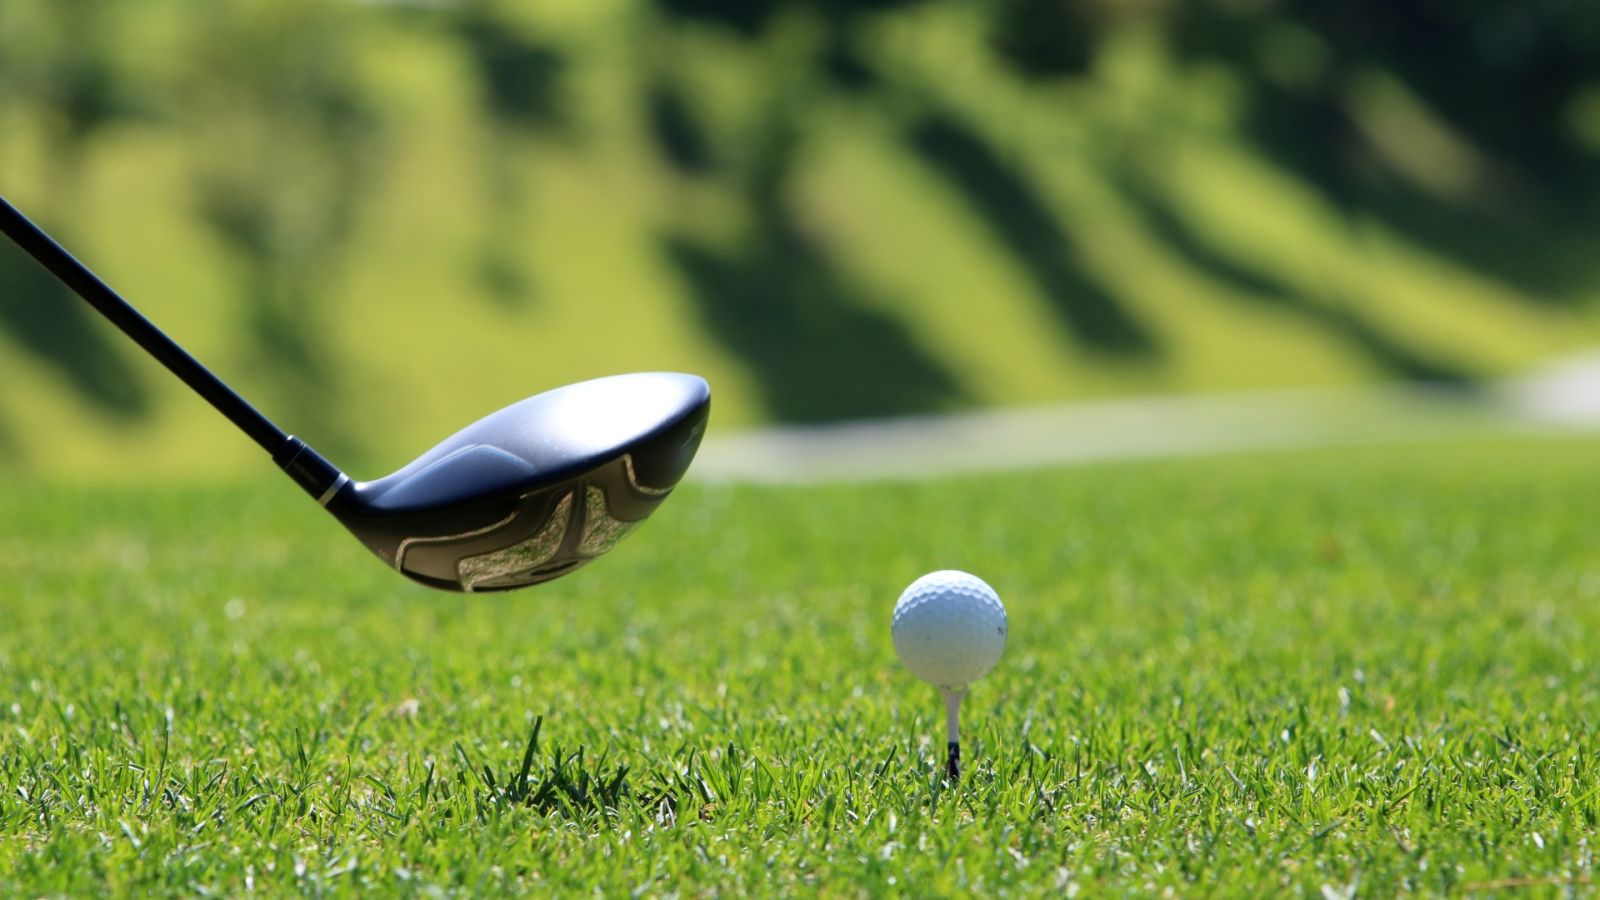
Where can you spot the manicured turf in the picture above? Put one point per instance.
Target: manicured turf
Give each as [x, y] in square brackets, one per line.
[960, 263]
[1368, 668]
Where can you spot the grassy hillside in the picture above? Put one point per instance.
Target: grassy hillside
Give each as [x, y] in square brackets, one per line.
[927, 286]
[1234, 676]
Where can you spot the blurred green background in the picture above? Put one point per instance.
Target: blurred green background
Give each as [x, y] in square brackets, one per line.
[380, 221]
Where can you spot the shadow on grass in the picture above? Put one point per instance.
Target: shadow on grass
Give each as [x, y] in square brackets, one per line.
[1547, 257]
[810, 338]
[522, 83]
[1540, 245]
[676, 128]
[1389, 353]
[47, 320]
[1003, 198]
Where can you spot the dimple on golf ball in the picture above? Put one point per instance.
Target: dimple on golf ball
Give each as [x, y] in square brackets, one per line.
[949, 628]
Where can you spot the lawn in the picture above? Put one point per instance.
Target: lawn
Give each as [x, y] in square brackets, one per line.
[1307, 672]
[941, 274]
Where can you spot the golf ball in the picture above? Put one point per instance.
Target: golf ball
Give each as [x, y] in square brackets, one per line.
[949, 628]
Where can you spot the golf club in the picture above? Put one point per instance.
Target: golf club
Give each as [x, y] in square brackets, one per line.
[519, 497]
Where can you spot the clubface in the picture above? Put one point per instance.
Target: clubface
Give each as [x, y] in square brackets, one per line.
[535, 490]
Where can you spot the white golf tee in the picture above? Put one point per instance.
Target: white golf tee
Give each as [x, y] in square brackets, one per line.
[952, 727]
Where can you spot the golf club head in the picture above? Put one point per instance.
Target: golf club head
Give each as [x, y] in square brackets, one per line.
[536, 490]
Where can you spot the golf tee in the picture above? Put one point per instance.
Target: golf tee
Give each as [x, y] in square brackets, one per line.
[952, 724]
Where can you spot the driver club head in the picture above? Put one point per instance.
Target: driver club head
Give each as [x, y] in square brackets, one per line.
[519, 497]
[535, 490]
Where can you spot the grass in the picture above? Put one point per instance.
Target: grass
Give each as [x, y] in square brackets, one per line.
[1281, 287]
[1320, 671]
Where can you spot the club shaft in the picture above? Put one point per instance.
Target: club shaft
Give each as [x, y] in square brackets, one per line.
[85, 284]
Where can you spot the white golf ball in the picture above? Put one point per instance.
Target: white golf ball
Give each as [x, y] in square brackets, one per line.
[949, 628]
